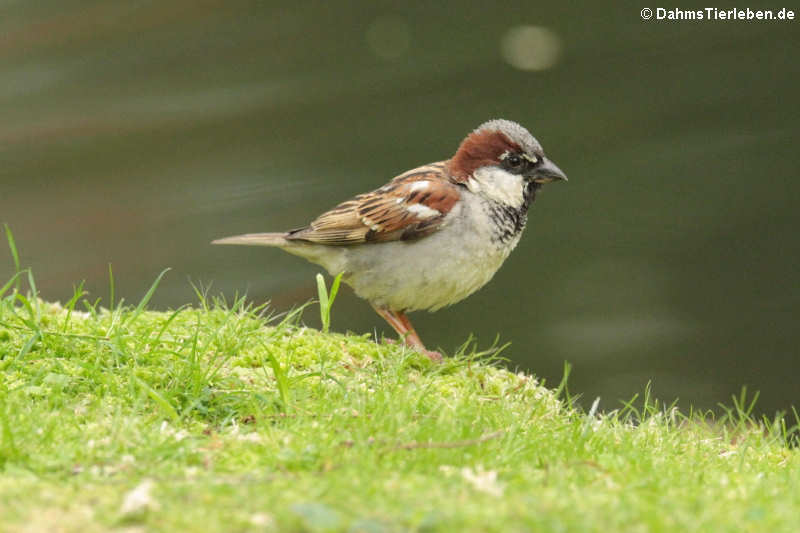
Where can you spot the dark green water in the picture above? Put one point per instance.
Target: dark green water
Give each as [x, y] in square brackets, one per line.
[135, 132]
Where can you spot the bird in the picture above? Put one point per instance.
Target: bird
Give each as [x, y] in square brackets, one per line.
[433, 235]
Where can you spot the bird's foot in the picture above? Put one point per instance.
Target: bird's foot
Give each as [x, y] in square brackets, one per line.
[408, 335]
[433, 355]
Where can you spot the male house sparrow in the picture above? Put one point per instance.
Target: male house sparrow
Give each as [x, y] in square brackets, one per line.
[433, 235]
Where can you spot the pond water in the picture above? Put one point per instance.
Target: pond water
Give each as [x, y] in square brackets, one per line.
[133, 133]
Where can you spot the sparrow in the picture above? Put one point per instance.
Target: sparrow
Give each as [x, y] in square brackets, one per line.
[433, 235]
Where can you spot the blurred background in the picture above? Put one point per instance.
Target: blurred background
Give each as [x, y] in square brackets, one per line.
[133, 133]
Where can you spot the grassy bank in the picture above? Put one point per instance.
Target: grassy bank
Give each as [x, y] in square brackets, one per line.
[219, 418]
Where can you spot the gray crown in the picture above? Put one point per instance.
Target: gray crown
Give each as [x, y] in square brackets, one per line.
[514, 132]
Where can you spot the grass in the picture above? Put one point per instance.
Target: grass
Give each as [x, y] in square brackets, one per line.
[223, 417]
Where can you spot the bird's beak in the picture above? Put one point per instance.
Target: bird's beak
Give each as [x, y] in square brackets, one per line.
[547, 172]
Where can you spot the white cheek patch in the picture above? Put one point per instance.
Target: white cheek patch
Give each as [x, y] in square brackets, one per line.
[499, 185]
[423, 211]
[473, 185]
[419, 186]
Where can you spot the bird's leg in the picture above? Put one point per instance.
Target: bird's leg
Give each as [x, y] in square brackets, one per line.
[412, 337]
[402, 325]
[393, 321]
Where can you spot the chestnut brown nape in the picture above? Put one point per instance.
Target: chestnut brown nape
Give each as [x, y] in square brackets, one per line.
[479, 149]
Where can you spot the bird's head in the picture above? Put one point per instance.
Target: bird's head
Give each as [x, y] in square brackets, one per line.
[501, 157]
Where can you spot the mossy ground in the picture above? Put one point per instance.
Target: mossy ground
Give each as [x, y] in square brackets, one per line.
[218, 418]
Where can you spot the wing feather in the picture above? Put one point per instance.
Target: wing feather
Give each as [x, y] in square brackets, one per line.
[411, 206]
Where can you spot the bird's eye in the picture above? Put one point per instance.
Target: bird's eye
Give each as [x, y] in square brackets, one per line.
[513, 161]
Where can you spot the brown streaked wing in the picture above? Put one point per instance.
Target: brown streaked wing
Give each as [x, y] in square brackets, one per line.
[388, 213]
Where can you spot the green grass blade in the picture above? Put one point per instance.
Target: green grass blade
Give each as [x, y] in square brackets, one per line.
[155, 342]
[14, 280]
[34, 296]
[335, 289]
[159, 399]
[13, 246]
[77, 293]
[145, 299]
[14, 253]
[28, 346]
[281, 379]
[111, 297]
[562, 388]
[322, 291]
[326, 299]
[31, 321]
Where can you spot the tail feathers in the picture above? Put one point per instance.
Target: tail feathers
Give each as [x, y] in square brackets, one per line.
[255, 239]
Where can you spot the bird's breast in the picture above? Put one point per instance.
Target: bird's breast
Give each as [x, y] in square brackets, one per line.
[435, 271]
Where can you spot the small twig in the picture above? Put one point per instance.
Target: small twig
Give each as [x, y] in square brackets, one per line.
[455, 444]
